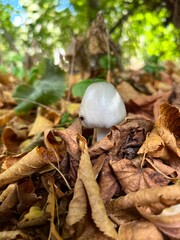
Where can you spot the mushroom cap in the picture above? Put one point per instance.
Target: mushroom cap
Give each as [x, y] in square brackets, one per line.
[101, 106]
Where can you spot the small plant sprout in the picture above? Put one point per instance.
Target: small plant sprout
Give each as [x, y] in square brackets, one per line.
[102, 107]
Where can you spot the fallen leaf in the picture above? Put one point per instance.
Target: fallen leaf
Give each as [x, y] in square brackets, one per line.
[86, 176]
[147, 197]
[124, 140]
[30, 163]
[134, 178]
[168, 126]
[40, 125]
[139, 229]
[13, 235]
[154, 146]
[127, 92]
[51, 206]
[148, 105]
[107, 182]
[12, 138]
[168, 221]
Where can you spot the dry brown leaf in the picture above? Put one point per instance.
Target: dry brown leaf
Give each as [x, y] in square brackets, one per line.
[40, 125]
[148, 105]
[124, 140]
[127, 92]
[51, 206]
[90, 231]
[107, 182]
[123, 215]
[87, 177]
[78, 205]
[26, 195]
[154, 146]
[69, 136]
[139, 230]
[13, 235]
[162, 168]
[168, 221]
[30, 163]
[10, 160]
[10, 188]
[147, 197]
[6, 207]
[5, 116]
[134, 178]
[168, 125]
[12, 138]
[86, 174]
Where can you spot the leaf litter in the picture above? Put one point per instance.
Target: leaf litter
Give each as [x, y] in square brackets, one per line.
[57, 182]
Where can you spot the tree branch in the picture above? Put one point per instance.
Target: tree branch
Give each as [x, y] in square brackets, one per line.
[9, 39]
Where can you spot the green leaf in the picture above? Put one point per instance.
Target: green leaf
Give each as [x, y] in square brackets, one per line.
[105, 63]
[79, 88]
[46, 91]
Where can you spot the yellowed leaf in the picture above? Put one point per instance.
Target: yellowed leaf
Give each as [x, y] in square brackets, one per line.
[40, 125]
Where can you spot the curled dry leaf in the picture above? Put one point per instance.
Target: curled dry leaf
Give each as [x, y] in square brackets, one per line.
[147, 197]
[69, 137]
[30, 163]
[168, 221]
[124, 140]
[139, 229]
[154, 146]
[12, 138]
[86, 176]
[168, 125]
[134, 178]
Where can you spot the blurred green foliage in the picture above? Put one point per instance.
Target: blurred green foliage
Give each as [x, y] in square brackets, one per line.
[79, 88]
[49, 89]
[141, 28]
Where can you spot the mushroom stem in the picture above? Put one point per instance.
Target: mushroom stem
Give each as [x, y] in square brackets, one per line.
[101, 132]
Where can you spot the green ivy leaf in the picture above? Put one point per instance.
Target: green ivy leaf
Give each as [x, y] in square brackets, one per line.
[46, 91]
[79, 88]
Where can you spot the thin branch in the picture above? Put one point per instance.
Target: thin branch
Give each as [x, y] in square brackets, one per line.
[9, 39]
[121, 21]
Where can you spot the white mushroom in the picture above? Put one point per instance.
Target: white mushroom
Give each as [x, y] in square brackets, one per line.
[101, 108]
